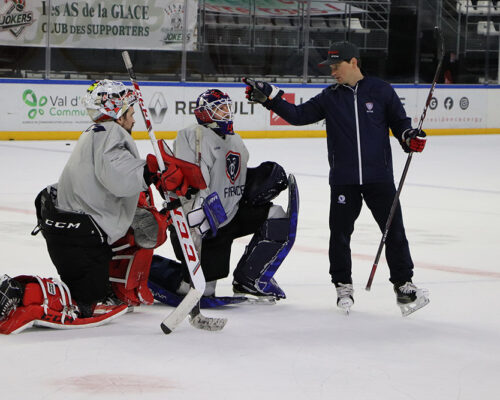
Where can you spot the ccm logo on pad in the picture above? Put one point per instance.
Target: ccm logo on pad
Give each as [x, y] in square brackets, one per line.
[62, 225]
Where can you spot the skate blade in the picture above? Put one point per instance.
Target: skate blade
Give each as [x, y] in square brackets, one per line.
[345, 306]
[346, 310]
[410, 308]
[256, 300]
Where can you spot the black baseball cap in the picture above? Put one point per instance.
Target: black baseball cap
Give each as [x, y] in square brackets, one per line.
[340, 51]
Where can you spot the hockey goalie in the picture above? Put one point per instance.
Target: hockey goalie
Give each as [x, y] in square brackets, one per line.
[99, 223]
[27, 301]
[237, 202]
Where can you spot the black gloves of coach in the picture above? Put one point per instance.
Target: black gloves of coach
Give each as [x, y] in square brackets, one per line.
[261, 92]
[413, 140]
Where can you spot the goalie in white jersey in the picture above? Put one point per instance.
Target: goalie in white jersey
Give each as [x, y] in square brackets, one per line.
[236, 203]
[100, 208]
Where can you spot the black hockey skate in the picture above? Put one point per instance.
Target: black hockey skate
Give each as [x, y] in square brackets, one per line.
[11, 294]
[410, 298]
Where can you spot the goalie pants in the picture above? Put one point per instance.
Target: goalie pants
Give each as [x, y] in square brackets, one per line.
[345, 207]
[84, 269]
[216, 252]
[78, 249]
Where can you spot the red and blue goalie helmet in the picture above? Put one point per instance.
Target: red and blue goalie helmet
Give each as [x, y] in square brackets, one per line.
[213, 110]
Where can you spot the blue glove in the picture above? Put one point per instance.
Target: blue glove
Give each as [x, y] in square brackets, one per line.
[207, 218]
[260, 91]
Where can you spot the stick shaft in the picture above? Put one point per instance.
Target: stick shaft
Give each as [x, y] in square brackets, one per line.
[178, 217]
[408, 161]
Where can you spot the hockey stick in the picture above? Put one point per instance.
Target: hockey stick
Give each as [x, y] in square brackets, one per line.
[181, 227]
[440, 48]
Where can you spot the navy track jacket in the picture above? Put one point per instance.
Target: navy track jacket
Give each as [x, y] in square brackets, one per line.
[357, 128]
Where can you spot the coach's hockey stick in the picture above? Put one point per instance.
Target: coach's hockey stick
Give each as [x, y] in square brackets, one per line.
[440, 54]
[191, 257]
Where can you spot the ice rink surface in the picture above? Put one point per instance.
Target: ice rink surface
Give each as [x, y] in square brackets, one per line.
[303, 347]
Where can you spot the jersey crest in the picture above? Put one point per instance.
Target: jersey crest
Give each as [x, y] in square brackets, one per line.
[233, 166]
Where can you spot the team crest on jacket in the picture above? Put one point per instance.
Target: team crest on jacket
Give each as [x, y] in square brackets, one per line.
[233, 166]
[369, 107]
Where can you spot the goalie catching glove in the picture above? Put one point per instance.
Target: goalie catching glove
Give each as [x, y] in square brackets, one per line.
[207, 218]
[170, 180]
[413, 140]
[261, 92]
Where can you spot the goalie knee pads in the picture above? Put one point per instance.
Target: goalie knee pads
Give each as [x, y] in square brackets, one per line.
[267, 250]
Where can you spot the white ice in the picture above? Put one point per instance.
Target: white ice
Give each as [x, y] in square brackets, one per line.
[303, 347]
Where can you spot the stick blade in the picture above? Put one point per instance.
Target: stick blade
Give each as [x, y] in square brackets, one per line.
[438, 35]
[180, 313]
[206, 323]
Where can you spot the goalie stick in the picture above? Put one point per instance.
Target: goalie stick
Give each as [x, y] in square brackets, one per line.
[188, 305]
[440, 53]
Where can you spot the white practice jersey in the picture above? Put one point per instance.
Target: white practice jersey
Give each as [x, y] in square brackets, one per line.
[103, 178]
[223, 164]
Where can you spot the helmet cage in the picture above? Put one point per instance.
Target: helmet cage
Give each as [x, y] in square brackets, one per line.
[214, 110]
[108, 100]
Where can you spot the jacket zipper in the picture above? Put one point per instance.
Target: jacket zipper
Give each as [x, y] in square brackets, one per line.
[358, 136]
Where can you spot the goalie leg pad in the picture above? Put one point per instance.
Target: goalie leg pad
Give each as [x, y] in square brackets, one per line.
[165, 280]
[264, 183]
[166, 273]
[129, 272]
[132, 254]
[267, 250]
[47, 302]
[11, 295]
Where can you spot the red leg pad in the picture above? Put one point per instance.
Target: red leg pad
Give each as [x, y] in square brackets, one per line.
[48, 303]
[129, 272]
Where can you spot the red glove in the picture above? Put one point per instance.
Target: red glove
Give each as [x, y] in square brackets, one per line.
[171, 180]
[413, 140]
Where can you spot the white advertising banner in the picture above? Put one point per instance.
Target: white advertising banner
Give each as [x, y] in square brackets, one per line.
[449, 108]
[279, 7]
[33, 106]
[112, 24]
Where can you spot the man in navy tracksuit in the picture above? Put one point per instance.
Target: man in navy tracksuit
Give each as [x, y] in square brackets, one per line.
[358, 111]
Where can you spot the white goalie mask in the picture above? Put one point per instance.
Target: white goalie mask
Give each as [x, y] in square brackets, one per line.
[108, 100]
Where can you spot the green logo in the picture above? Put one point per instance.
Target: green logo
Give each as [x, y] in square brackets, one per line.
[29, 98]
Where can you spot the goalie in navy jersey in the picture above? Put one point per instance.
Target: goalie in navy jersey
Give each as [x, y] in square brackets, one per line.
[237, 202]
[99, 222]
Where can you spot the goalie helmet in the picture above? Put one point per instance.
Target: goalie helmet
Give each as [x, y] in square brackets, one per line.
[108, 100]
[213, 110]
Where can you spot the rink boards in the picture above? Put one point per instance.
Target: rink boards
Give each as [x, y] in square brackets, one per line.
[45, 110]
